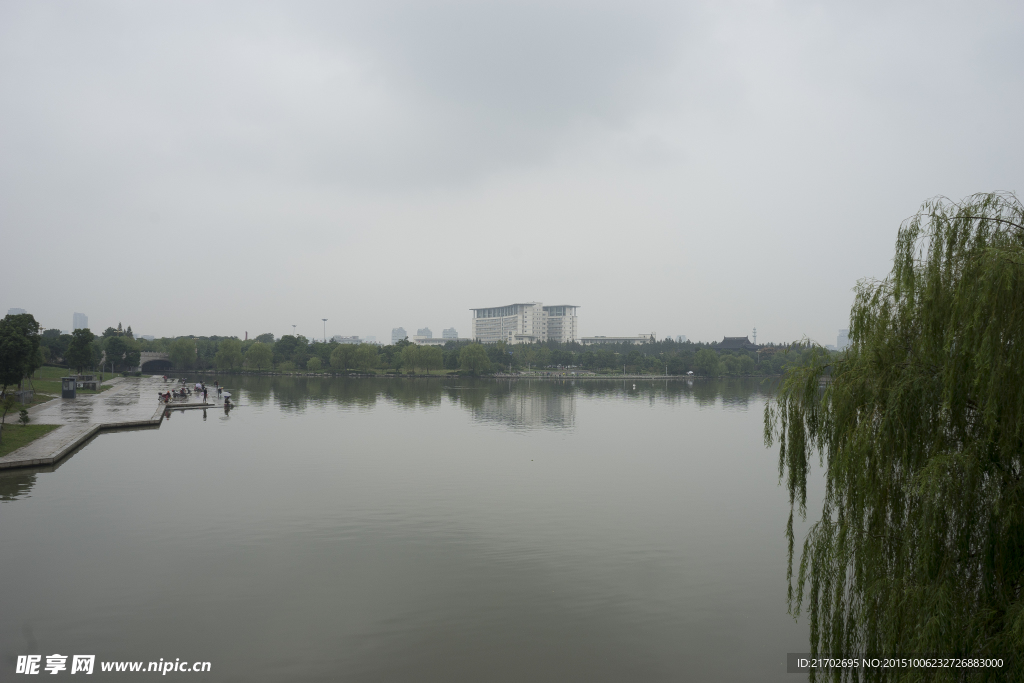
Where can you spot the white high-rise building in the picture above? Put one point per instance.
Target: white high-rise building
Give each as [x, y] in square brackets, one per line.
[449, 333]
[16, 311]
[525, 323]
[425, 333]
[398, 334]
[80, 320]
[843, 340]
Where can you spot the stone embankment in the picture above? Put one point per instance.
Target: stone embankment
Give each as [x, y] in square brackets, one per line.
[130, 404]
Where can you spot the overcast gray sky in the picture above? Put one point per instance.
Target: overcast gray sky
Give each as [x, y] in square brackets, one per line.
[682, 168]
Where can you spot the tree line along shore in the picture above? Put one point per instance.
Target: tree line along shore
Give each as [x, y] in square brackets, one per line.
[117, 350]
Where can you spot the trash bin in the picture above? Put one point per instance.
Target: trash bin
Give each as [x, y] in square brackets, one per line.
[68, 388]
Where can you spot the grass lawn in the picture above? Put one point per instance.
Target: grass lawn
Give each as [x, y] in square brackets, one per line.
[14, 436]
[47, 380]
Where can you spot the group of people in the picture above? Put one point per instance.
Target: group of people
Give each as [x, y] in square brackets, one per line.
[200, 388]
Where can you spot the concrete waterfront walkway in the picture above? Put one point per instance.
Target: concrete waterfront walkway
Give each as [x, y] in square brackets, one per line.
[130, 404]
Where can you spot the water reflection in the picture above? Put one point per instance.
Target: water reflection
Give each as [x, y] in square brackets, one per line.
[515, 404]
[16, 484]
[519, 403]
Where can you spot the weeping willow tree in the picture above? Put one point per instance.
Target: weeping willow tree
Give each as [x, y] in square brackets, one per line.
[919, 427]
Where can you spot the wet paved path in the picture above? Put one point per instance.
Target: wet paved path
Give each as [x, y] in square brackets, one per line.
[130, 403]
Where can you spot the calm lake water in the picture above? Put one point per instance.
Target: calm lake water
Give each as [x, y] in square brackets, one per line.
[415, 530]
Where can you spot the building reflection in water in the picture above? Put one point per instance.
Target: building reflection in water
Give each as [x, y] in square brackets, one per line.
[522, 404]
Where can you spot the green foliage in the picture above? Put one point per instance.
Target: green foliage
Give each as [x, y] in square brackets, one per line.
[229, 354]
[431, 358]
[473, 359]
[122, 351]
[292, 349]
[79, 355]
[259, 356]
[706, 363]
[365, 357]
[341, 356]
[183, 353]
[56, 343]
[132, 354]
[314, 364]
[410, 357]
[19, 348]
[920, 546]
[265, 338]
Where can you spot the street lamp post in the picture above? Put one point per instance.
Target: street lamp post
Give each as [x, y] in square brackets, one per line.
[325, 329]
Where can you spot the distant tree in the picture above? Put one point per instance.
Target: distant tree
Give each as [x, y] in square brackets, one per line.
[96, 348]
[116, 348]
[132, 354]
[265, 338]
[56, 343]
[746, 365]
[411, 357]
[229, 354]
[431, 358]
[920, 428]
[183, 353]
[79, 354]
[707, 363]
[285, 347]
[341, 356]
[259, 356]
[365, 357]
[473, 358]
[314, 364]
[19, 348]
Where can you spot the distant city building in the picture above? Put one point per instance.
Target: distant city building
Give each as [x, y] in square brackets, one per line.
[398, 334]
[79, 320]
[681, 338]
[346, 340]
[369, 339]
[450, 333]
[638, 339]
[424, 332]
[16, 311]
[735, 344]
[525, 323]
[843, 340]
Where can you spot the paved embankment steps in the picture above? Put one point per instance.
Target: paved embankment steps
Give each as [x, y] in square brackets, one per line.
[125, 406]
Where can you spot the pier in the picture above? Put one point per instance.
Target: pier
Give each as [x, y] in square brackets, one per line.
[130, 404]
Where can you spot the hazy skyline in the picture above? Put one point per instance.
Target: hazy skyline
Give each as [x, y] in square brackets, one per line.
[681, 168]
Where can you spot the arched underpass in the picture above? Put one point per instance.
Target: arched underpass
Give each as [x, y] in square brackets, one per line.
[156, 367]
